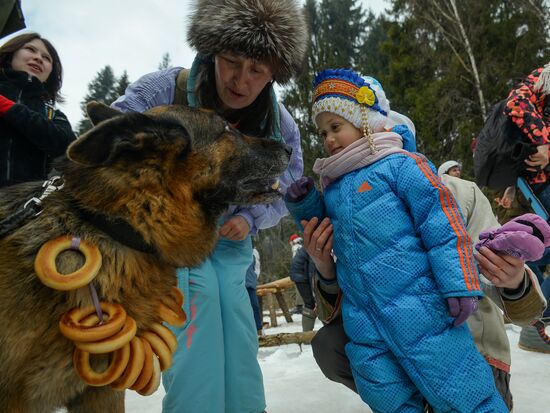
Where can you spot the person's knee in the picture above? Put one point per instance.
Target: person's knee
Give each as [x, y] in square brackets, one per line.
[324, 352]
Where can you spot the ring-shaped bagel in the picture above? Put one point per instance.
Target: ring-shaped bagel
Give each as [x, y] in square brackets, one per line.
[134, 367]
[112, 343]
[72, 327]
[117, 364]
[175, 317]
[147, 370]
[160, 348]
[154, 382]
[167, 336]
[46, 269]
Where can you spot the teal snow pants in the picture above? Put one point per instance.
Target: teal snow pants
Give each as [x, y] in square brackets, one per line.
[215, 367]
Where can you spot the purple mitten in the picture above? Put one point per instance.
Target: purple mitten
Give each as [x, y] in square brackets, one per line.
[461, 308]
[524, 237]
[299, 189]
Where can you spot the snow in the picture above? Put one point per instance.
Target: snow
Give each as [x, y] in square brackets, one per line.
[294, 383]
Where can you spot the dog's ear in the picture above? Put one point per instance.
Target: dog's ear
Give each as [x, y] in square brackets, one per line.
[131, 133]
[104, 142]
[98, 112]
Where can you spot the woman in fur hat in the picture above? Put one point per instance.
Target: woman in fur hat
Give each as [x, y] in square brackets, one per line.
[243, 47]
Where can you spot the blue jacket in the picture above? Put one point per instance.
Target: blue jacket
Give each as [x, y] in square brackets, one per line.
[396, 228]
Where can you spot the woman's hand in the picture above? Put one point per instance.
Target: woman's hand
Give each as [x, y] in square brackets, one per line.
[539, 159]
[503, 271]
[235, 228]
[318, 241]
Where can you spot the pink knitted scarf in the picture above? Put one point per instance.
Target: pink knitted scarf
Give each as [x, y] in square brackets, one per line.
[357, 155]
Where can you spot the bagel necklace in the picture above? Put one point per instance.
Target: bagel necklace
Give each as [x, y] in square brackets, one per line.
[136, 360]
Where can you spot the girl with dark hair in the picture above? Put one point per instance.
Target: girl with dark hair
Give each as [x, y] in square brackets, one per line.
[243, 47]
[32, 131]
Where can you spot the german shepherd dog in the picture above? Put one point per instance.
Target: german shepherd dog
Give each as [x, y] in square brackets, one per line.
[147, 190]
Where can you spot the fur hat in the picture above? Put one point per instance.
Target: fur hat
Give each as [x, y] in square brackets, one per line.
[270, 31]
[351, 96]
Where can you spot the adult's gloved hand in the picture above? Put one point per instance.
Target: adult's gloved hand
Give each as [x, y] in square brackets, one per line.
[5, 104]
[461, 308]
[298, 190]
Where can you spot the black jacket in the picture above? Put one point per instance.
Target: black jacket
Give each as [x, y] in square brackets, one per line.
[32, 133]
[302, 267]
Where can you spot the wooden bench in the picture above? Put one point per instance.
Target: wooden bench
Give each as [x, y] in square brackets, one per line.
[276, 288]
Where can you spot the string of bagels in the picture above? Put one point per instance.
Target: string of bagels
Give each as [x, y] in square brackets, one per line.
[135, 360]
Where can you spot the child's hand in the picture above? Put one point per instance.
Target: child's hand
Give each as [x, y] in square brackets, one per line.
[299, 189]
[461, 308]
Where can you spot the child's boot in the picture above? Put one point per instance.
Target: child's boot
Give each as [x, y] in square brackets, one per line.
[534, 338]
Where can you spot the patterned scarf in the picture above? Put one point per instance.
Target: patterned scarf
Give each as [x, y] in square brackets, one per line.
[357, 155]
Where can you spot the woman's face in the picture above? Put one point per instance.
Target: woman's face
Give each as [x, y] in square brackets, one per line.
[34, 59]
[239, 80]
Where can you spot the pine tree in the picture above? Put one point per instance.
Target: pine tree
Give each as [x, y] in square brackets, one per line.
[337, 29]
[101, 89]
[121, 85]
[451, 60]
[166, 62]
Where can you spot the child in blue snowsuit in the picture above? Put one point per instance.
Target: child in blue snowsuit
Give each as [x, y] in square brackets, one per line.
[403, 256]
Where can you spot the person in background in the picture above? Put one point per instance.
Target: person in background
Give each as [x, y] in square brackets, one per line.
[302, 272]
[251, 281]
[528, 106]
[244, 47]
[404, 260]
[32, 131]
[295, 242]
[452, 168]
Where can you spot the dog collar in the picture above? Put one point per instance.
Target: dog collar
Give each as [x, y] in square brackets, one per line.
[116, 228]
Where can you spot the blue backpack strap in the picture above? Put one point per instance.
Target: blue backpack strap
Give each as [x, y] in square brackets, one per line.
[528, 193]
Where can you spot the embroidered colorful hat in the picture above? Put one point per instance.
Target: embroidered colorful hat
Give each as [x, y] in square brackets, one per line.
[351, 96]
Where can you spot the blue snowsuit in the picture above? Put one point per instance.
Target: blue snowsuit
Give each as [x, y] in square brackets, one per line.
[402, 249]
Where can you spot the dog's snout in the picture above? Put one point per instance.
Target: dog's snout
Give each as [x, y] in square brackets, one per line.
[288, 149]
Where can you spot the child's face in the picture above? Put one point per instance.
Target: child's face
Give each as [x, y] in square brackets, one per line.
[337, 133]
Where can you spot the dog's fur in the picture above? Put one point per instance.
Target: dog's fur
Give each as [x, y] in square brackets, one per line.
[169, 173]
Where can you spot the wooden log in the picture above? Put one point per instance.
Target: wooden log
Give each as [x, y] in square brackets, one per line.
[272, 313]
[264, 291]
[283, 306]
[282, 284]
[271, 340]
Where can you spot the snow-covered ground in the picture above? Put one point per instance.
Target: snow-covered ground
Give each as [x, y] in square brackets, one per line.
[294, 383]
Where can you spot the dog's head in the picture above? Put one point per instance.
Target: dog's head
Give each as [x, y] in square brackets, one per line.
[172, 167]
[177, 146]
